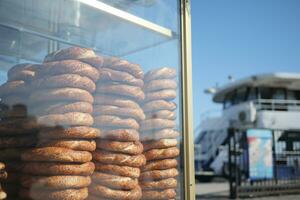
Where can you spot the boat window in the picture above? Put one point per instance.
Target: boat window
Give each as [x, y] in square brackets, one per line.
[291, 95]
[240, 96]
[251, 94]
[278, 94]
[228, 100]
[297, 95]
[265, 93]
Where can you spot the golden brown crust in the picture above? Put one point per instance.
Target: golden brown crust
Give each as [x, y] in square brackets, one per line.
[25, 72]
[106, 157]
[159, 184]
[67, 119]
[157, 105]
[67, 194]
[2, 166]
[132, 172]
[96, 61]
[108, 193]
[159, 194]
[160, 134]
[56, 154]
[161, 84]
[156, 154]
[132, 148]
[154, 124]
[115, 122]
[159, 174]
[114, 181]
[65, 80]
[102, 99]
[160, 144]
[70, 53]
[162, 114]
[124, 66]
[129, 135]
[55, 168]
[160, 95]
[160, 165]
[160, 73]
[67, 67]
[137, 114]
[128, 91]
[80, 132]
[119, 76]
[54, 182]
[80, 145]
[61, 94]
[60, 107]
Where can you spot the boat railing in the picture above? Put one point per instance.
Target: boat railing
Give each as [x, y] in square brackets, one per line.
[277, 105]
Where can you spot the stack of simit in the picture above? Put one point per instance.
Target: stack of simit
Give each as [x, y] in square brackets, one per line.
[117, 113]
[17, 129]
[60, 166]
[158, 176]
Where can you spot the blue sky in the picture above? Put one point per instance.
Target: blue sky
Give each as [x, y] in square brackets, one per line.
[241, 38]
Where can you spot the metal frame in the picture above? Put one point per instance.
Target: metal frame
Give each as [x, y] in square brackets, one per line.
[187, 109]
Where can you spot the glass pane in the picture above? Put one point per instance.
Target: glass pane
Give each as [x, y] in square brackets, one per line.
[90, 99]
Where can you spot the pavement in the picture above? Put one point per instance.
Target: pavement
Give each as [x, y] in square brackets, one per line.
[220, 191]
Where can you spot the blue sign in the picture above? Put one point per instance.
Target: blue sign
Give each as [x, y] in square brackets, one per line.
[260, 153]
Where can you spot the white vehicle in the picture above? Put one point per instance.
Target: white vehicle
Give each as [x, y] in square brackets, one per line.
[267, 101]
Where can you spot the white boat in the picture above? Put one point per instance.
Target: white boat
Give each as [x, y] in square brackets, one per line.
[266, 101]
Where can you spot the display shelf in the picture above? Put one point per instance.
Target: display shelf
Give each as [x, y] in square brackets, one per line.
[89, 23]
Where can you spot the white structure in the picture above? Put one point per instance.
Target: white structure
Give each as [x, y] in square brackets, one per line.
[268, 101]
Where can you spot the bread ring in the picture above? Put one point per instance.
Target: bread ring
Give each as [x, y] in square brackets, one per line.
[159, 174]
[3, 175]
[132, 148]
[57, 154]
[161, 84]
[70, 53]
[16, 111]
[19, 126]
[67, 194]
[13, 87]
[132, 172]
[119, 76]
[162, 114]
[80, 145]
[96, 61]
[156, 154]
[124, 66]
[161, 73]
[2, 166]
[101, 99]
[76, 132]
[159, 184]
[160, 144]
[61, 94]
[129, 135]
[54, 182]
[161, 134]
[157, 105]
[108, 193]
[159, 194]
[137, 114]
[11, 154]
[114, 181]
[25, 72]
[154, 124]
[3, 195]
[160, 165]
[61, 108]
[128, 91]
[65, 80]
[54, 168]
[116, 122]
[67, 67]
[13, 177]
[67, 119]
[119, 159]
[160, 95]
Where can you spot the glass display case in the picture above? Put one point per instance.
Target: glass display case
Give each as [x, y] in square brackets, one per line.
[95, 100]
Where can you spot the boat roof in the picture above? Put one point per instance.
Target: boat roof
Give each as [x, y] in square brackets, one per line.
[275, 80]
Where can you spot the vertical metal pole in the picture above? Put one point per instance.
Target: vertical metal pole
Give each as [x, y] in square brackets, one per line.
[274, 157]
